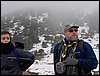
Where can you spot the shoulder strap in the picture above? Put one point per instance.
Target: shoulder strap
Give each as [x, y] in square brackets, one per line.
[58, 51]
[80, 45]
[16, 54]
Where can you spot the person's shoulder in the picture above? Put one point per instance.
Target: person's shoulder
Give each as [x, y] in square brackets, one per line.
[58, 43]
[85, 42]
[81, 40]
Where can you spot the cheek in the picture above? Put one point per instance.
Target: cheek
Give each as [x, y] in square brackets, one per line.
[2, 41]
[5, 41]
[65, 33]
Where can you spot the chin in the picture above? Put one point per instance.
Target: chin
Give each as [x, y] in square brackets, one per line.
[4, 42]
[74, 39]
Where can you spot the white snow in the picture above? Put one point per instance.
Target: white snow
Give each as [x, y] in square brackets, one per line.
[44, 66]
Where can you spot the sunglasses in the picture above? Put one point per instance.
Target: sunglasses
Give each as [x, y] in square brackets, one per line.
[3, 38]
[72, 30]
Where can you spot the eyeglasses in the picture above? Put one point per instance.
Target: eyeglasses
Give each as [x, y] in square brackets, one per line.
[72, 30]
[3, 38]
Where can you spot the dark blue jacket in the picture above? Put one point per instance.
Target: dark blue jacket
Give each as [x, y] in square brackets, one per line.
[87, 60]
[9, 64]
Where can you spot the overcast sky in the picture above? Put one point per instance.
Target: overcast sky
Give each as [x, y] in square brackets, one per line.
[9, 6]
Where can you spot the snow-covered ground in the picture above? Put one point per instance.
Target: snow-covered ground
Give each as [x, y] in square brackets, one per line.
[44, 66]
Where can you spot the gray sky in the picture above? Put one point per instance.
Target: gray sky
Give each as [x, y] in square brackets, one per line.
[9, 6]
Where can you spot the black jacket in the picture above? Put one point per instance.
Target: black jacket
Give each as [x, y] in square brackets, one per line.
[10, 66]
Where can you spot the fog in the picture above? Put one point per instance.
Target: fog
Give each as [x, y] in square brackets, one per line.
[53, 6]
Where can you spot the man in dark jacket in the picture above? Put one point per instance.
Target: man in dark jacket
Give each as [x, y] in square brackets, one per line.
[69, 58]
[12, 64]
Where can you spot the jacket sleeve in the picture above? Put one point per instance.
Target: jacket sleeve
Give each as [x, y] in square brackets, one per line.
[26, 59]
[56, 57]
[89, 62]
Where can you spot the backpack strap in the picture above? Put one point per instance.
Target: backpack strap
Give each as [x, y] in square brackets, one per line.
[16, 54]
[80, 45]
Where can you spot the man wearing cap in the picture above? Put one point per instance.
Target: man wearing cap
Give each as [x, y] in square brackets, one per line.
[73, 56]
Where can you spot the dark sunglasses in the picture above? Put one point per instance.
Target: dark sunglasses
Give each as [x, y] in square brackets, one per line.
[3, 38]
[73, 30]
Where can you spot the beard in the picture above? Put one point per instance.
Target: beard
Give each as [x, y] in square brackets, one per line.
[6, 48]
[73, 38]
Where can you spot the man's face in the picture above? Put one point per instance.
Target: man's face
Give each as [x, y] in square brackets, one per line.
[71, 34]
[5, 38]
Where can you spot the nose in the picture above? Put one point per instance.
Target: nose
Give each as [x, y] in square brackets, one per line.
[74, 33]
[6, 41]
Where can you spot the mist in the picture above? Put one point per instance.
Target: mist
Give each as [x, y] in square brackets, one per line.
[53, 6]
[65, 12]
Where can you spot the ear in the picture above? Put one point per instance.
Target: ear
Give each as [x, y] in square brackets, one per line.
[64, 33]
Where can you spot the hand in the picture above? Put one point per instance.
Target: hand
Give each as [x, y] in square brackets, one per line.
[25, 73]
[70, 61]
[60, 68]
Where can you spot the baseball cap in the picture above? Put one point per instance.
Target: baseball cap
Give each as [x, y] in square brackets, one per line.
[70, 26]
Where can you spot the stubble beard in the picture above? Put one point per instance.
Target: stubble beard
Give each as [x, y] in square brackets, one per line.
[73, 38]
